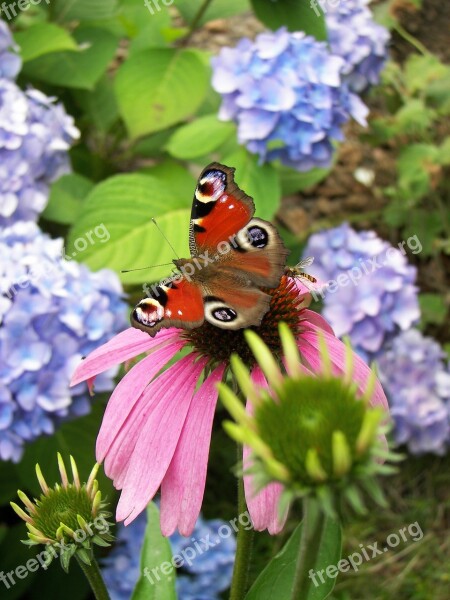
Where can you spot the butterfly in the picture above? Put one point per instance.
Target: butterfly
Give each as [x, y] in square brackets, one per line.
[233, 256]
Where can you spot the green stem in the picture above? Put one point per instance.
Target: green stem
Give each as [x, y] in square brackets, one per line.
[312, 531]
[196, 20]
[93, 575]
[243, 548]
[411, 39]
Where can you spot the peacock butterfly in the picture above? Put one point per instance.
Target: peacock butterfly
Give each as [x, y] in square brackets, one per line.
[233, 256]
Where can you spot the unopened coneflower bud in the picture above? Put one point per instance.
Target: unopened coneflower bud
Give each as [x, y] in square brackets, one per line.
[68, 518]
[316, 434]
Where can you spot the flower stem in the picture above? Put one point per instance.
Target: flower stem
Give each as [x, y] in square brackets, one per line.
[196, 20]
[93, 575]
[243, 548]
[310, 540]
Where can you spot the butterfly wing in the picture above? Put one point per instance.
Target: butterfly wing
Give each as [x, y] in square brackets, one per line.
[177, 304]
[222, 225]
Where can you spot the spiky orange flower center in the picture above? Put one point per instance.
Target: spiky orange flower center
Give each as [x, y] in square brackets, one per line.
[219, 344]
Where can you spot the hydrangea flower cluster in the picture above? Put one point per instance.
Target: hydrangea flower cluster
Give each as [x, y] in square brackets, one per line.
[209, 574]
[362, 43]
[35, 135]
[10, 62]
[369, 292]
[52, 312]
[286, 94]
[417, 382]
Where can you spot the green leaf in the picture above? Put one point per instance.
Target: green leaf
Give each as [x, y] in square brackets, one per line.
[160, 87]
[84, 10]
[296, 15]
[219, 9]
[414, 117]
[421, 70]
[182, 182]
[433, 309]
[295, 181]
[10, 482]
[156, 554]
[202, 136]
[415, 165]
[427, 226]
[99, 104]
[124, 206]
[276, 580]
[43, 38]
[66, 196]
[261, 182]
[80, 69]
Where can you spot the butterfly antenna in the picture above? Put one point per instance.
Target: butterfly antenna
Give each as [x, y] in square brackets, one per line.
[164, 236]
[143, 268]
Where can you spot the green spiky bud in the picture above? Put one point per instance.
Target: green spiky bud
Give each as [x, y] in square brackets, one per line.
[317, 435]
[68, 518]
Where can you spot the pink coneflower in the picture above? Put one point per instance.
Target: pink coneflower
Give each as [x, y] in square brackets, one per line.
[156, 430]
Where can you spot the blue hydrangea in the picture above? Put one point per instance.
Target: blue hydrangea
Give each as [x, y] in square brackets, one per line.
[286, 94]
[416, 378]
[369, 292]
[205, 578]
[362, 43]
[52, 312]
[10, 61]
[35, 135]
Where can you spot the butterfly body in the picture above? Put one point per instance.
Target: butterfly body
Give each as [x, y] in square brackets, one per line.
[233, 255]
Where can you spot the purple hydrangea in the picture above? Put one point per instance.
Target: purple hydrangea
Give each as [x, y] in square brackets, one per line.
[416, 379]
[52, 312]
[35, 135]
[369, 292]
[205, 578]
[10, 61]
[362, 43]
[286, 94]
[354, 36]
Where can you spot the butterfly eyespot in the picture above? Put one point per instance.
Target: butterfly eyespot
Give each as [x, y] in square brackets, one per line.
[258, 237]
[149, 312]
[224, 314]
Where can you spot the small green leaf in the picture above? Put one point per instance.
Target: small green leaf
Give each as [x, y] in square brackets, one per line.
[66, 196]
[43, 38]
[80, 69]
[433, 309]
[84, 10]
[99, 104]
[261, 182]
[156, 558]
[296, 15]
[276, 580]
[157, 88]
[202, 136]
[219, 9]
[427, 226]
[295, 181]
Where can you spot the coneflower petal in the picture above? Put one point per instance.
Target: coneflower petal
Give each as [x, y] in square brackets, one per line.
[128, 392]
[183, 486]
[263, 505]
[157, 442]
[122, 347]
